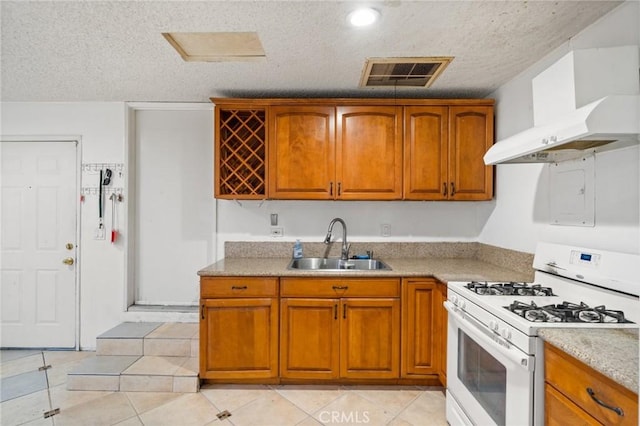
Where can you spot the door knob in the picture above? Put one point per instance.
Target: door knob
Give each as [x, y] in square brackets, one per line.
[68, 261]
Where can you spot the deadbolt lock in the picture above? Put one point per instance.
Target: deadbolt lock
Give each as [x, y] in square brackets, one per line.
[68, 261]
[69, 246]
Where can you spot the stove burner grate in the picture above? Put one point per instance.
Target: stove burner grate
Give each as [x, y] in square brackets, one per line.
[567, 312]
[509, 289]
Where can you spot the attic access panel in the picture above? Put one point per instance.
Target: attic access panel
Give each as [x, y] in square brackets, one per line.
[403, 72]
[217, 46]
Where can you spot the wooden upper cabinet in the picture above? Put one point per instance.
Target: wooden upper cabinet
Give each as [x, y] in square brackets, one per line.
[470, 136]
[426, 139]
[444, 147]
[240, 152]
[302, 152]
[369, 153]
[353, 149]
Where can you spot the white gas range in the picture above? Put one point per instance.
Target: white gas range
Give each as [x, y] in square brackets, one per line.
[495, 369]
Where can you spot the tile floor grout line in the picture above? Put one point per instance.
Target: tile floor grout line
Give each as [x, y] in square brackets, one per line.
[302, 409]
[52, 411]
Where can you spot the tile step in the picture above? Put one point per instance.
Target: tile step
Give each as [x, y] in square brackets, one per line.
[135, 374]
[149, 357]
[156, 339]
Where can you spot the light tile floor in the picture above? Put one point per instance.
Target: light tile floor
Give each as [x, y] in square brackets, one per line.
[27, 393]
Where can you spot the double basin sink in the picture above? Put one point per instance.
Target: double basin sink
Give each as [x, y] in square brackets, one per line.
[334, 264]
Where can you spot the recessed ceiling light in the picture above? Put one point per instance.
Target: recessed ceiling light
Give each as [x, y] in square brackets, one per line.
[363, 17]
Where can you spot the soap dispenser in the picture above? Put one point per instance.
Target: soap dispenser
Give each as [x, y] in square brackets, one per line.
[297, 250]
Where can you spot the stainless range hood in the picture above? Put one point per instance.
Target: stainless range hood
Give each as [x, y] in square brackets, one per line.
[587, 102]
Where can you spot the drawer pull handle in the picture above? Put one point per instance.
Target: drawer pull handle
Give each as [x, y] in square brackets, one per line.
[341, 287]
[616, 410]
[444, 189]
[335, 311]
[237, 287]
[202, 312]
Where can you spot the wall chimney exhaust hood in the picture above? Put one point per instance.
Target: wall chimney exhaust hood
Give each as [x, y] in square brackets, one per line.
[587, 102]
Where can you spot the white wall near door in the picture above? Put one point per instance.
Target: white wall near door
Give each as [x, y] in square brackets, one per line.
[174, 206]
[101, 127]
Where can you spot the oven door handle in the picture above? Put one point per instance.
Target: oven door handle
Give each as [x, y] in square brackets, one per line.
[479, 332]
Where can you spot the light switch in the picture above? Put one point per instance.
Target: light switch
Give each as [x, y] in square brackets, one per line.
[274, 219]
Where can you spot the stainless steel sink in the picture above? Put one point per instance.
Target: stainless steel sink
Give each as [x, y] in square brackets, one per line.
[334, 264]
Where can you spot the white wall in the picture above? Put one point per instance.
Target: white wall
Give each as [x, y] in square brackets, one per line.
[101, 264]
[521, 218]
[308, 220]
[175, 208]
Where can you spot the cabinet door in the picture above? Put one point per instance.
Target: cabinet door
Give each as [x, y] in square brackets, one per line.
[369, 152]
[426, 140]
[309, 338]
[370, 338]
[470, 136]
[561, 411]
[421, 327]
[239, 338]
[302, 152]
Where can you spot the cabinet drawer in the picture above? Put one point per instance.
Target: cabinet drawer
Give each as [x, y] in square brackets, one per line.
[211, 287]
[572, 378]
[347, 287]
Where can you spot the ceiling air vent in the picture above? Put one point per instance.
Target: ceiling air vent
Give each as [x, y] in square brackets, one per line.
[404, 72]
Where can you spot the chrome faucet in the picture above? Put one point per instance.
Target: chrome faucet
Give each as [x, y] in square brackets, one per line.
[345, 246]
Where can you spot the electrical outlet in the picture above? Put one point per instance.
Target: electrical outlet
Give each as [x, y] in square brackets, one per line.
[100, 233]
[277, 231]
[385, 230]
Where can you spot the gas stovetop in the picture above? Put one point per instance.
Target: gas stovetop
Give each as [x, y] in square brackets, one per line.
[567, 312]
[509, 289]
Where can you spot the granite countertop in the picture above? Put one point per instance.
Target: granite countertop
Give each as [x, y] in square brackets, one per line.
[612, 352]
[459, 269]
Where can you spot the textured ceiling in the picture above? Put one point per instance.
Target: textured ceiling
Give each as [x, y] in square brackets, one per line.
[115, 51]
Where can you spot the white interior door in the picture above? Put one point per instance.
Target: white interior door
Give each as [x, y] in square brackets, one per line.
[38, 220]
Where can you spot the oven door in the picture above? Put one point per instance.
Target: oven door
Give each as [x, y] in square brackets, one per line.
[489, 381]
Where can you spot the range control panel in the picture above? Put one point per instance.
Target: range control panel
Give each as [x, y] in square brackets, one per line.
[582, 258]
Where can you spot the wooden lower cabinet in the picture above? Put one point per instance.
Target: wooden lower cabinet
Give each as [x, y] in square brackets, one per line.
[370, 339]
[567, 399]
[309, 338]
[423, 328]
[560, 411]
[255, 329]
[238, 332]
[340, 337]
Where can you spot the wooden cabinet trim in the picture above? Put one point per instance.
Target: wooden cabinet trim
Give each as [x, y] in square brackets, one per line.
[262, 102]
